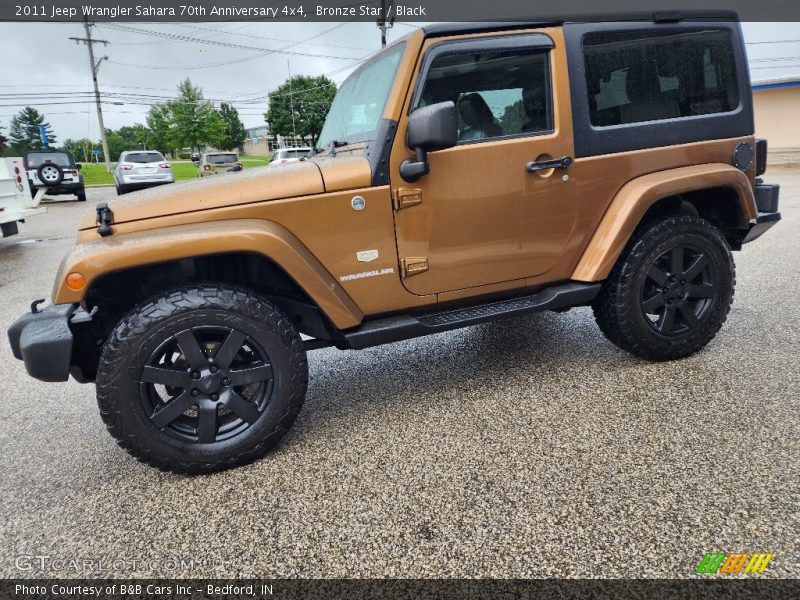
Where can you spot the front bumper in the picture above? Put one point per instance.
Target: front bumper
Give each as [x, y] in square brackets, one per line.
[43, 341]
[767, 203]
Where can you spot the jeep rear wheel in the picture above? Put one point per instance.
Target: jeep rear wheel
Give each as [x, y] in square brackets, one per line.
[670, 291]
[201, 379]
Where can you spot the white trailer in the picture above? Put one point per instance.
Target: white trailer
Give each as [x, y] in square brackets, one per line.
[16, 203]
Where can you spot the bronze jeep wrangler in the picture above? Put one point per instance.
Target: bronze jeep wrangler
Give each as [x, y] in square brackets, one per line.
[467, 172]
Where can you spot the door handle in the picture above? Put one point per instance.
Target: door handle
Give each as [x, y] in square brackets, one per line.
[557, 163]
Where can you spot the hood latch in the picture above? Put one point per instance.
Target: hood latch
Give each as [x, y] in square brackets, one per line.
[105, 217]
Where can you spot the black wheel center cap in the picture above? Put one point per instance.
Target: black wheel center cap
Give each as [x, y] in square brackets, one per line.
[210, 383]
[674, 290]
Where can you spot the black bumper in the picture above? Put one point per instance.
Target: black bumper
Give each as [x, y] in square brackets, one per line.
[767, 204]
[43, 340]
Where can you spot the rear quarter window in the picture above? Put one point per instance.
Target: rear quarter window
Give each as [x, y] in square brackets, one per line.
[144, 157]
[639, 76]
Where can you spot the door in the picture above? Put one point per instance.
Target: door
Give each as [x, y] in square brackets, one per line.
[490, 210]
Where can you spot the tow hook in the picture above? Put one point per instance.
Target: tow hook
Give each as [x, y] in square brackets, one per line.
[35, 305]
[105, 217]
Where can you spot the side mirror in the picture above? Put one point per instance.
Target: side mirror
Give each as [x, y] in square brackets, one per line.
[430, 128]
[78, 166]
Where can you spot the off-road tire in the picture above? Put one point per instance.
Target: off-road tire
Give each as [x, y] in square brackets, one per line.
[81, 196]
[618, 309]
[129, 346]
[121, 189]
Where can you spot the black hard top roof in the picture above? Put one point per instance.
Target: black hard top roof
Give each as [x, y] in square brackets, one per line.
[665, 16]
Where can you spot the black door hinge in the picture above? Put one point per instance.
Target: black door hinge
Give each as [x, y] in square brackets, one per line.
[105, 217]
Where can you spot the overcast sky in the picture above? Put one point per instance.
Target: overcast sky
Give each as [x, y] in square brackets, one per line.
[42, 67]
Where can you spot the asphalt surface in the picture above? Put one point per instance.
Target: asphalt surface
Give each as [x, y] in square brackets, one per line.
[525, 448]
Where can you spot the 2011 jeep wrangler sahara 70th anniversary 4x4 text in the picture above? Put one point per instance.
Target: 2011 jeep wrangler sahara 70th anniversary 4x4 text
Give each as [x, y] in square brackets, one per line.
[465, 173]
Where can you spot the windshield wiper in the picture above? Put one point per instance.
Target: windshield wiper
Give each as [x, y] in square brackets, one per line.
[330, 149]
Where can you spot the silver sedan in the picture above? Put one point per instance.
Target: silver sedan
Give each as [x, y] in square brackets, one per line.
[141, 169]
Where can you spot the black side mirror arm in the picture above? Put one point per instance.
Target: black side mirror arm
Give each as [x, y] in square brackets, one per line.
[412, 169]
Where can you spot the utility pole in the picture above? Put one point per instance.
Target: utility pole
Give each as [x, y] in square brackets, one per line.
[291, 100]
[95, 67]
[383, 24]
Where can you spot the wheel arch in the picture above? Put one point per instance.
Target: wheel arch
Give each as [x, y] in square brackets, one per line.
[260, 254]
[717, 192]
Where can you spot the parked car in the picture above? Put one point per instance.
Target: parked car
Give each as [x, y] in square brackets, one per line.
[451, 192]
[195, 157]
[140, 169]
[283, 156]
[214, 163]
[56, 171]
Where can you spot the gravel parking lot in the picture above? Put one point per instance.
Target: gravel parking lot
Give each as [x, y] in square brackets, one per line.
[525, 448]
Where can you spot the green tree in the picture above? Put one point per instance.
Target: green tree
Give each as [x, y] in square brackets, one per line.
[116, 145]
[308, 98]
[24, 131]
[3, 143]
[134, 136]
[234, 133]
[158, 128]
[194, 122]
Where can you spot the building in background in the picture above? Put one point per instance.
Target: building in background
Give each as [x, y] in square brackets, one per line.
[776, 104]
[259, 142]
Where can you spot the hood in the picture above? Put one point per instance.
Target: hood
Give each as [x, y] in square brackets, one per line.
[251, 185]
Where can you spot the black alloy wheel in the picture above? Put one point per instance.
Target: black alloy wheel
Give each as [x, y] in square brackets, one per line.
[678, 291]
[206, 384]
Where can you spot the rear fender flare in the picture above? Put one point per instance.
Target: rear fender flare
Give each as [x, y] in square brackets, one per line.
[636, 197]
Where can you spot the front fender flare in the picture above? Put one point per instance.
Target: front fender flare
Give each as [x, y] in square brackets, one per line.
[637, 196]
[120, 252]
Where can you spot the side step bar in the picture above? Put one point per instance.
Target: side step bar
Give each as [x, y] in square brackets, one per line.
[403, 327]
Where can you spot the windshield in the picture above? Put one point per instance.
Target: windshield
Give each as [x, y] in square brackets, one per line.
[358, 106]
[221, 159]
[35, 159]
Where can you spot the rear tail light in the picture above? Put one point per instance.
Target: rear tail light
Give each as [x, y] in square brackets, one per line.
[19, 179]
[164, 165]
[284, 161]
[126, 167]
[761, 157]
[206, 167]
[74, 172]
[16, 170]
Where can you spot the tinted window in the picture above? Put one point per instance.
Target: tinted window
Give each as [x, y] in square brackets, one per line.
[144, 157]
[636, 76]
[496, 94]
[221, 159]
[35, 159]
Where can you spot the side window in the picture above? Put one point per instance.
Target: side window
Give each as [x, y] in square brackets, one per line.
[637, 76]
[497, 94]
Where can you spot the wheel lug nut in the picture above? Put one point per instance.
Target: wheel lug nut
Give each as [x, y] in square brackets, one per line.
[226, 382]
[213, 368]
[195, 375]
[215, 396]
[195, 392]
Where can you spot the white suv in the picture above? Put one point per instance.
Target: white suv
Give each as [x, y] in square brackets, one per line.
[139, 169]
[289, 155]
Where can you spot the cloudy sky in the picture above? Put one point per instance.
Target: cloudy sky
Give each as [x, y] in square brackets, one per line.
[42, 67]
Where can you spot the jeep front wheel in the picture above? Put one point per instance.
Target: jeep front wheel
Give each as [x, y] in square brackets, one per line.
[201, 379]
[670, 291]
